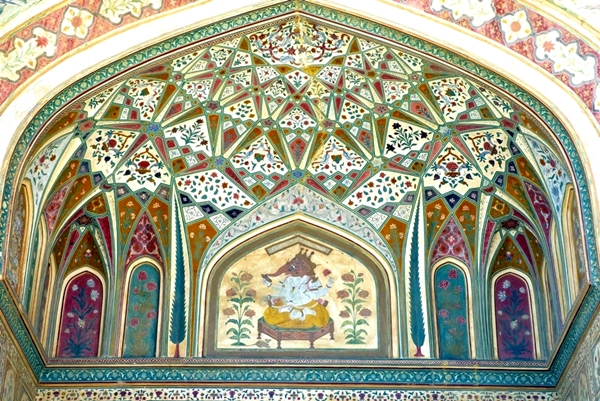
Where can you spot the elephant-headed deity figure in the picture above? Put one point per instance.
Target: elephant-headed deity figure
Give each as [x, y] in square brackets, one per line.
[298, 300]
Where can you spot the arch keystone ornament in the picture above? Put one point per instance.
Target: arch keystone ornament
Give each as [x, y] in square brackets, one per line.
[272, 197]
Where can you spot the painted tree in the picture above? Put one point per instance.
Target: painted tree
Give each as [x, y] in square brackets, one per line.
[417, 326]
[178, 329]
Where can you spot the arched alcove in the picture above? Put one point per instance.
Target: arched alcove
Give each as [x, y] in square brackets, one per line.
[298, 290]
[384, 131]
[80, 313]
[141, 310]
[515, 316]
[453, 310]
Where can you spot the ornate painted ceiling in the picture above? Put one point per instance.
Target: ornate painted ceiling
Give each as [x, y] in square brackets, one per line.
[305, 188]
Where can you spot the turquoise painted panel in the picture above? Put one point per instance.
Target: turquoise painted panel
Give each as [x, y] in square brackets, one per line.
[452, 313]
[142, 313]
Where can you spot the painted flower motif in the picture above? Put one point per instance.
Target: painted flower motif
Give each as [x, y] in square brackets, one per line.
[348, 277]
[514, 324]
[525, 317]
[228, 311]
[246, 277]
[251, 293]
[45, 40]
[444, 284]
[151, 314]
[452, 274]
[151, 286]
[70, 314]
[365, 312]
[326, 272]
[502, 296]
[522, 290]
[76, 22]
[344, 314]
[363, 294]
[461, 320]
[134, 321]
[515, 26]
[91, 283]
[444, 313]
[81, 323]
[343, 294]
[94, 295]
[506, 284]
[250, 313]
[143, 275]
[381, 109]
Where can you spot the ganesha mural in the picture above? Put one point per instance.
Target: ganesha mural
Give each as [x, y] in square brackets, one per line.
[295, 295]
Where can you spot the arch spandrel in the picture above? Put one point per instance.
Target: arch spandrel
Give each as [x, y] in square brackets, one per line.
[329, 122]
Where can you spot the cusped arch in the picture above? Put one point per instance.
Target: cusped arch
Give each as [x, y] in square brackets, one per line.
[370, 286]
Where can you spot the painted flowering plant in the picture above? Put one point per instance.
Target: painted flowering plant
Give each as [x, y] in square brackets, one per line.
[354, 298]
[80, 328]
[142, 316]
[239, 314]
[451, 314]
[513, 321]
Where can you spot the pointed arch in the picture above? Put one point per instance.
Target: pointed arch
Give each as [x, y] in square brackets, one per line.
[43, 314]
[40, 249]
[515, 316]
[576, 270]
[19, 237]
[80, 325]
[217, 294]
[451, 287]
[141, 309]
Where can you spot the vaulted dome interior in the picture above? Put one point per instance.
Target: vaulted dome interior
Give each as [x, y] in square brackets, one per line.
[301, 192]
